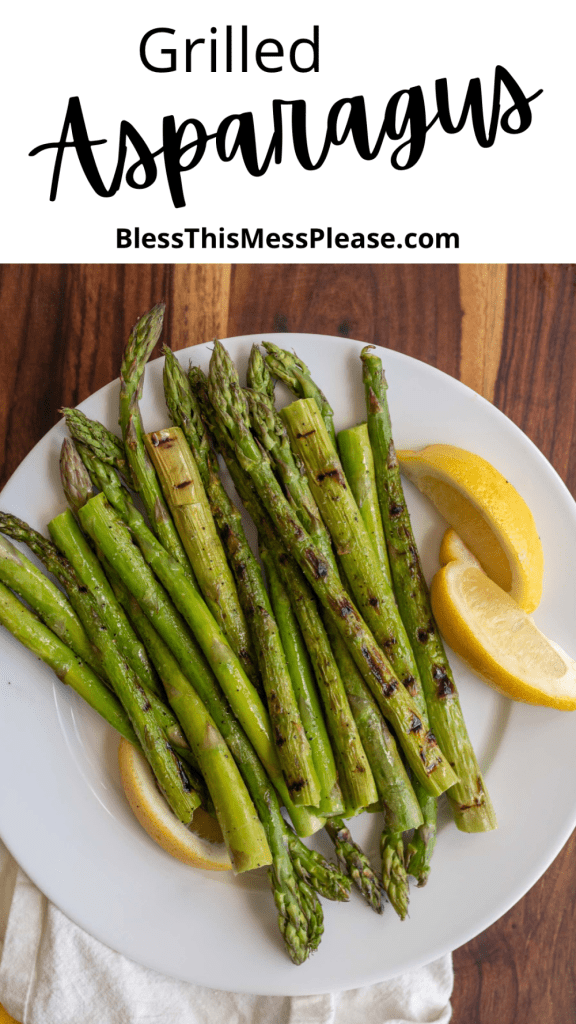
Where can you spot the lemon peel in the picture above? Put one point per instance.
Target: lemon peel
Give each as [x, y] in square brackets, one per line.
[201, 845]
[453, 549]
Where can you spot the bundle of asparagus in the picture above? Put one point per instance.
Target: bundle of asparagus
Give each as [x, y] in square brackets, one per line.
[327, 692]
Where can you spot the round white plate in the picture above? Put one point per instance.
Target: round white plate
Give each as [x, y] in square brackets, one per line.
[62, 809]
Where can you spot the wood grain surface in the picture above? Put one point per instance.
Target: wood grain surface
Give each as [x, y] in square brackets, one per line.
[508, 332]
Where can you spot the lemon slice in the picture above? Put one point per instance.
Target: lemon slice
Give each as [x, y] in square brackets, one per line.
[499, 641]
[453, 549]
[201, 845]
[492, 519]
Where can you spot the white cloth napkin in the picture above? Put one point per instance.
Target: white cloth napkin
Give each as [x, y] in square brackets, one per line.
[52, 972]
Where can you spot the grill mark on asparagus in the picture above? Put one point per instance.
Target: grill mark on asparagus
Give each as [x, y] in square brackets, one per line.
[395, 510]
[297, 785]
[477, 802]
[318, 565]
[307, 434]
[342, 607]
[388, 687]
[409, 683]
[335, 473]
[444, 685]
[429, 765]
[183, 777]
[185, 483]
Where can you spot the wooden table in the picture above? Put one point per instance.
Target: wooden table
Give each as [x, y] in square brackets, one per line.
[507, 332]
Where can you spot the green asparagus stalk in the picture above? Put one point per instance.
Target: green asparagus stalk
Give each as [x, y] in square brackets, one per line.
[403, 804]
[469, 799]
[138, 350]
[296, 375]
[269, 428]
[172, 728]
[355, 862]
[187, 501]
[399, 803]
[370, 587]
[73, 545]
[185, 413]
[358, 465]
[47, 601]
[300, 916]
[290, 735]
[305, 690]
[241, 828]
[44, 644]
[356, 778]
[421, 749]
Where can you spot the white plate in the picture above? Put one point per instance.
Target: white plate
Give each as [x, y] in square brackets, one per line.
[62, 810]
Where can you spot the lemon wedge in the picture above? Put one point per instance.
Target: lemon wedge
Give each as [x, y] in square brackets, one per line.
[499, 640]
[201, 845]
[453, 549]
[489, 515]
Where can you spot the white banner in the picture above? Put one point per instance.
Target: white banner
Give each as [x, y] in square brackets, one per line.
[320, 131]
